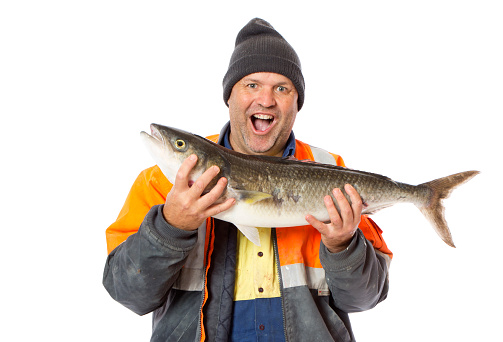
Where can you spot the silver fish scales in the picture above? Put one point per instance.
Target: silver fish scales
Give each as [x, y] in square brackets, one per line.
[277, 192]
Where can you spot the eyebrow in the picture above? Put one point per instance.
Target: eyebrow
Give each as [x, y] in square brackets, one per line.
[257, 81]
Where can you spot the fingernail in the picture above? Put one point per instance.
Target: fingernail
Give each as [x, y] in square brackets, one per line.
[193, 157]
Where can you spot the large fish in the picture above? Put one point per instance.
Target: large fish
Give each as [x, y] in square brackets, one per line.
[276, 192]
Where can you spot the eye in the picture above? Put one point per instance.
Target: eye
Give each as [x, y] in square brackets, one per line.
[180, 144]
[281, 89]
[252, 85]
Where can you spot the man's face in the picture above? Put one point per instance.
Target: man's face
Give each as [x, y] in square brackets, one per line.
[262, 108]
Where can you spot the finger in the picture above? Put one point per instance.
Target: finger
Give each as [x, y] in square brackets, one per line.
[318, 225]
[210, 200]
[346, 212]
[218, 208]
[356, 201]
[333, 214]
[182, 176]
[211, 197]
[202, 182]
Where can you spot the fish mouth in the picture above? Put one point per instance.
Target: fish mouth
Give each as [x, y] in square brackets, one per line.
[154, 133]
[262, 122]
[155, 138]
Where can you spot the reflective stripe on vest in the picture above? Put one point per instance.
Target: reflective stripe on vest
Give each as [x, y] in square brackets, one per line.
[300, 265]
[322, 156]
[191, 276]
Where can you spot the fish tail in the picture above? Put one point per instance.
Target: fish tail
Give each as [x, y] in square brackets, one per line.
[433, 210]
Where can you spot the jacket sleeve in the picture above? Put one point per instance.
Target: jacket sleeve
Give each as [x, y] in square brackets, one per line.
[150, 188]
[140, 272]
[358, 276]
[145, 252]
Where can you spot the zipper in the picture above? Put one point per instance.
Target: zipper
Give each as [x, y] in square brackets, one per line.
[278, 267]
[206, 263]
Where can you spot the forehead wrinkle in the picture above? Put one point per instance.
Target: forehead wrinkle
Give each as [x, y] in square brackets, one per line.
[253, 78]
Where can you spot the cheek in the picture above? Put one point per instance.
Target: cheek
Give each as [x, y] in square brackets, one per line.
[237, 109]
[236, 115]
[290, 114]
[240, 100]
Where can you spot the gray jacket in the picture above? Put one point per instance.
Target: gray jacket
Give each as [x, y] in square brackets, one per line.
[162, 269]
[187, 280]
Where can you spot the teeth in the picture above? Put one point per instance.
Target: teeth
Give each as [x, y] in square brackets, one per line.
[263, 116]
[261, 122]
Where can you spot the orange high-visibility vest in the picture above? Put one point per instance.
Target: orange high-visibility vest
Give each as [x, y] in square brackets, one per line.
[298, 247]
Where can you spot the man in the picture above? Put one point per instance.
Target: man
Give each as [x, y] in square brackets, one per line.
[201, 278]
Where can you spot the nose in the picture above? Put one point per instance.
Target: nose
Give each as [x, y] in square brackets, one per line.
[266, 97]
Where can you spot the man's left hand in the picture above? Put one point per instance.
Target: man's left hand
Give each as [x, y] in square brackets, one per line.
[337, 234]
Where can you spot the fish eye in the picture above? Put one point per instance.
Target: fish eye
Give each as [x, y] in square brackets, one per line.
[180, 144]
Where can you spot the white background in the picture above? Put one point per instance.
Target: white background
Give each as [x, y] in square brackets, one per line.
[409, 89]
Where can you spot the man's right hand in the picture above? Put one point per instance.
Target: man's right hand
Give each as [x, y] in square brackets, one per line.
[185, 208]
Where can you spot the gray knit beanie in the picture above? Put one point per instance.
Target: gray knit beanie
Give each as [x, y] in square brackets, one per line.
[260, 48]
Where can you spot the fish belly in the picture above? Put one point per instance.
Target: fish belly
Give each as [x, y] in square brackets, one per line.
[264, 215]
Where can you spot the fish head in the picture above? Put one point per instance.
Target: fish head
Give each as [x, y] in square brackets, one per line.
[169, 147]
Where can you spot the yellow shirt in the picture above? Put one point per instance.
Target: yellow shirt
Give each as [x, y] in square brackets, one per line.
[256, 270]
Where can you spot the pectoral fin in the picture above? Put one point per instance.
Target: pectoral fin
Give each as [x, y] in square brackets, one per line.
[251, 197]
[251, 233]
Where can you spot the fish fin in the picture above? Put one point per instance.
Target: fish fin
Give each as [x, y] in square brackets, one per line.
[251, 197]
[434, 210]
[251, 233]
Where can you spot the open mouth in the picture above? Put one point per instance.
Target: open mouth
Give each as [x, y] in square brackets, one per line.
[261, 122]
[155, 133]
